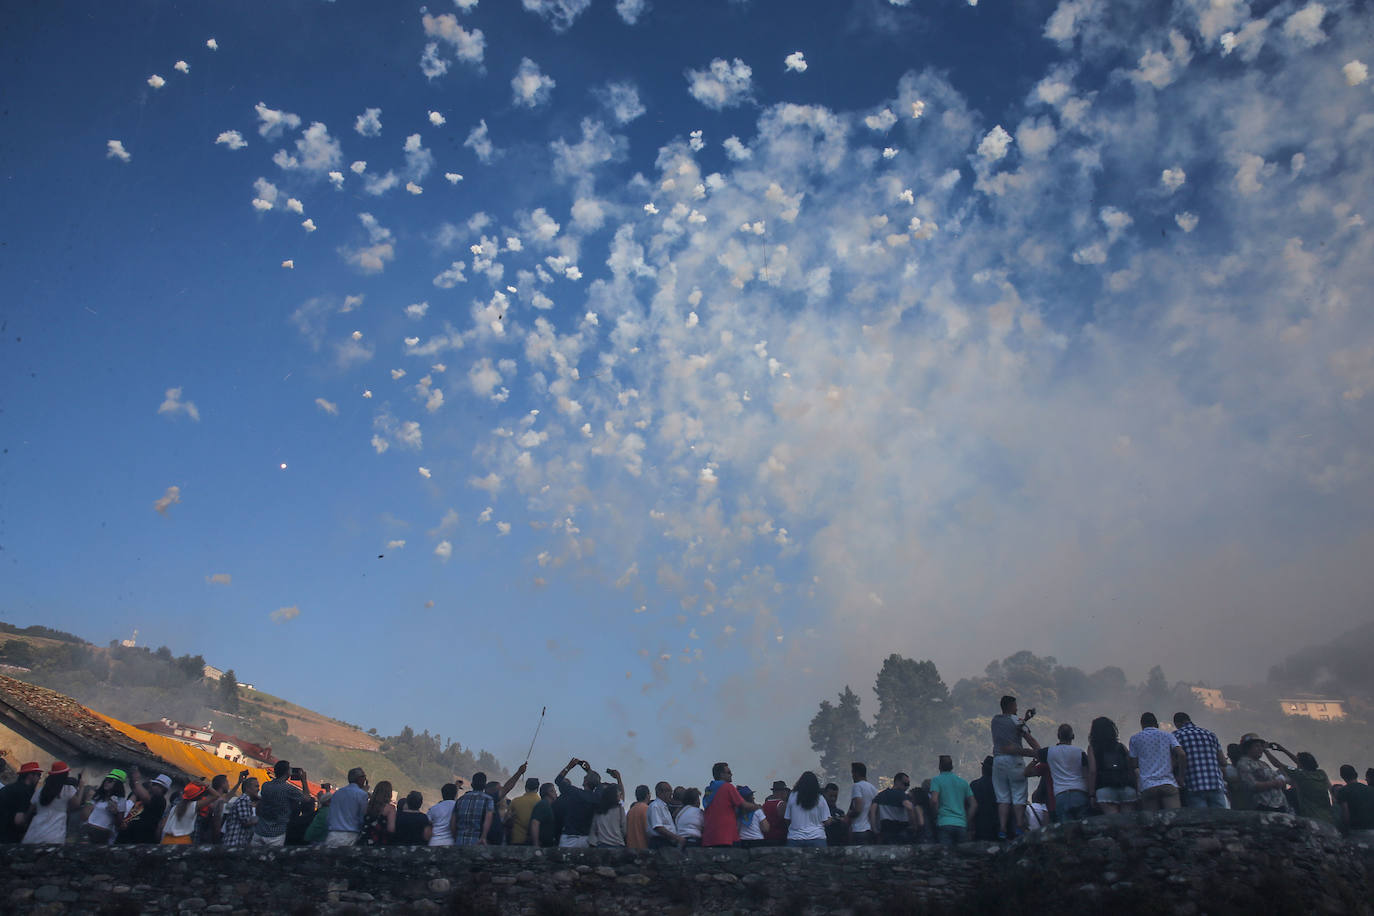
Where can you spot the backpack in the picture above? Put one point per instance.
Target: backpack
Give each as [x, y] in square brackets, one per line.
[1114, 769]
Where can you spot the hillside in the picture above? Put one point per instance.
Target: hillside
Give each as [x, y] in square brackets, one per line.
[136, 684]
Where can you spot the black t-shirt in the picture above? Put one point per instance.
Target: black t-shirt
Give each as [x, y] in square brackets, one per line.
[410, 828]
[1359, 798]
[548, 822]
[985, 825]
[14, 799]
[890, 798]
[143, 827]
[579, 807]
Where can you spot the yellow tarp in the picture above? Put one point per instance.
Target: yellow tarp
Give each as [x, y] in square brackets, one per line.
[189, 759]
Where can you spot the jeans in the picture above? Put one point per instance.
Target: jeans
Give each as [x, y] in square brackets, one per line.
[818, 843]
[950, 835]
[1212, 798]
[1071, 805]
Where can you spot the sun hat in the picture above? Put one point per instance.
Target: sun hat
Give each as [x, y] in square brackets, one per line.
[780, 786]
[30, 768]
[118, 775]
[1249, 737]
[745, 792]
[58, 768]
[192, 791]
[163, 780]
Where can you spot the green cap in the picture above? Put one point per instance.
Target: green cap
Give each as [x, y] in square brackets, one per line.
[118, 774]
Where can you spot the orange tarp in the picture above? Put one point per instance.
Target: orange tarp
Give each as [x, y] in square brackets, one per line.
[189, 759]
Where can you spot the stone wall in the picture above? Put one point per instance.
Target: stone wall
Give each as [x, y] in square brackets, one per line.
[1175, 862]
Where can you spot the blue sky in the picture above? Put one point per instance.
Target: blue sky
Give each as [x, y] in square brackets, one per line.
[957, 329]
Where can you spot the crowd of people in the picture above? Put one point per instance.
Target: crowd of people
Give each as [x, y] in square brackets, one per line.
[1155, 769]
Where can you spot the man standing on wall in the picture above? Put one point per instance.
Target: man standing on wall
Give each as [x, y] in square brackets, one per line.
[1009, 739]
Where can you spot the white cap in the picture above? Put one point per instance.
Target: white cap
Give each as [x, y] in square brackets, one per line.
[163, 780]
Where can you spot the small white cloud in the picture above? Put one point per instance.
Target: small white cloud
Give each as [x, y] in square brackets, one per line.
[707, 476]
[452, 177]
[156, 81]
[172, 404]
[696, 142]
[443, 551]
[1090, 254]
[414, 188]
[336, 178]
[328, 407]
[736, 150]
[622, 101]
[480, 142]
[232, 139]
[437, 119]
[289, 264]
[994, 146]
[469, 46]
[502, 529]
[396, 544]
[212, 44]
[309, 225]
[1355, 73]
[417, 310]
[1186, 221]
[168, 499]
[530, 87]
[424, 472]
[295, 206]
[181, 66]
[889, 153]
[795, 62]
[722, 84]
[1172, 179]
[283, 614]
[272, 122]
[114, 149]
[218, 579]
[369, 123]
[881, 121]
[631, 10]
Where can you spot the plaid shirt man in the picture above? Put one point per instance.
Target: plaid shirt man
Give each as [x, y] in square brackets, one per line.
[1202, 748]
[469, 814]
[239, 818]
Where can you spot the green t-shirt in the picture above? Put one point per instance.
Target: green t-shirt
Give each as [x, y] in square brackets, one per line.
[1314, 793]
[953, 792]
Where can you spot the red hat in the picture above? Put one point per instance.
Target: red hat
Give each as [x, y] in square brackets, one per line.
[58, 768]
[192, 791]
[30, 768]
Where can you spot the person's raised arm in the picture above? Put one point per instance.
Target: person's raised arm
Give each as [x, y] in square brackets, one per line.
[136, 787]
[79, 797]
[563, 773]
[515, 777]
[620, 783]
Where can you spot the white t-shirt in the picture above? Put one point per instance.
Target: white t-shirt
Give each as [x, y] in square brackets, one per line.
[180, 825]
[1151, 747]
[752, 830]
[1067, 768]
[660, 815]
[689, 820]
[101, 817]
[1037, 815]
[807, 825]
[865, 790]
[441, 819]
[49, 825]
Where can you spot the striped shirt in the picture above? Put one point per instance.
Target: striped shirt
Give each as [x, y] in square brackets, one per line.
[239, 817]
[469, 813]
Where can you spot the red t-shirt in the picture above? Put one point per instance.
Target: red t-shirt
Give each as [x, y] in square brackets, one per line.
[721, 826]
[773, 810]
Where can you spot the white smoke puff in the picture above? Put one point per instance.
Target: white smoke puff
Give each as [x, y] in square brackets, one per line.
[1305, 26]
[795, 62]
[114, 149]
[994, 146]
[309, 225]
[452, 177]
[369, 123]
[156, 81]
[631, 10]
[889, 153]
[289, 264]
[283, 614]
[274, 121]
[1186, 221]
[722, 84]
[397, 544]
[262, 206]
[530, 87]
[707, 476]
[417, 310]
[336, 179]
[1355, 73]
[169, 498]
[437, 119]
[1090, 254]
[881, 121]
[736, 150]
[212, 44]
[1172, 179]
[918, 108]
[695, 142]
[295, 206]
[232, 139]
[424, 472]
[328, 407]
[182, 66]
[414, 188]
[444, 551]
[650, 209]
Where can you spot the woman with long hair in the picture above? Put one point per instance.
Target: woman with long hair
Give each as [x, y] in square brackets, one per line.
[1112, 780]
[690, 818]
[379, 820]
[608, 823]
[806, 813]
[59, 795]
[109, 807]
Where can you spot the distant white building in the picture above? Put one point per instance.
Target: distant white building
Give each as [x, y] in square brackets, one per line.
[1212, 698]
[131, 642]
[212, 673]
[1319, 708]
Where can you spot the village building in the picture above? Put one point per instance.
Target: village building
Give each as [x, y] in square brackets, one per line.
[1212, 699]
[1319, 708]
[226, 746]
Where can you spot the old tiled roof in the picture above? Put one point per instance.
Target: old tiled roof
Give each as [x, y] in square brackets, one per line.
[72, 724]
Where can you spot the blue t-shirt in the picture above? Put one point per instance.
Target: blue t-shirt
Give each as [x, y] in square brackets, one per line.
[953, 791]
[347, 807]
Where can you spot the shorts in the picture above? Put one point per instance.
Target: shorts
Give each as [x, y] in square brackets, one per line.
[260, 840]
[1009, 779]
[572, 841]
[341, 838]
[1159, 792]
[1117, 795]
[1206, 798]
[172, 840]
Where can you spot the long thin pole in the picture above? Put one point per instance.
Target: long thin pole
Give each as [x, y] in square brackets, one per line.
[542, 710]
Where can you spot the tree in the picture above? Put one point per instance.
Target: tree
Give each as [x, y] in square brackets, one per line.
[839, 734]
[18, 652]
[914, 715]
[229, 692]
[1156, 689]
